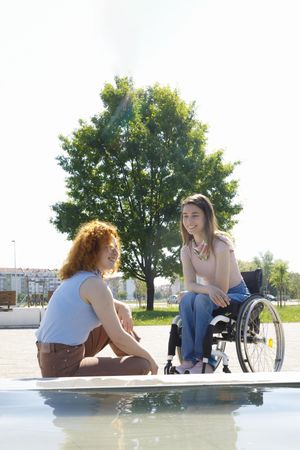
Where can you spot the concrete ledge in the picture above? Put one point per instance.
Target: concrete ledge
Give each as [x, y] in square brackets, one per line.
[21, 317]
[125, 383]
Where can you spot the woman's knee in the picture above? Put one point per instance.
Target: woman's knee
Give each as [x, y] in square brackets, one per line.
[203, 302]
[188, 298]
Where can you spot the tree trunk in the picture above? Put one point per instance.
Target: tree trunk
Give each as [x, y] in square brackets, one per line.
[280, 297]
[150, 291]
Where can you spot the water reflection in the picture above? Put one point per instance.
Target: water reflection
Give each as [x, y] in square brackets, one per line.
[199, 417]
[228, 417]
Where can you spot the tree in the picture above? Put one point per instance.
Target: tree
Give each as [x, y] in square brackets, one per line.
[247, 266]
[122, 295]
[279, 278]
[265, 262]
[131, 165]
[294, 285]
[140, 291]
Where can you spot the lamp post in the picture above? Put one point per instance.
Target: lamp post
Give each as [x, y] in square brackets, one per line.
[15, 267]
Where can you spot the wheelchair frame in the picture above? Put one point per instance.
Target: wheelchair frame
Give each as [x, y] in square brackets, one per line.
[253, 325]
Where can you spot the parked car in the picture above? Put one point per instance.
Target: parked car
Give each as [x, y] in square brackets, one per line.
[173, 299]
[271, 298]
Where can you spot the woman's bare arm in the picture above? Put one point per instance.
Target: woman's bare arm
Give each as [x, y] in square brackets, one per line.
[97, 294]
[222, 270]
[215, 292]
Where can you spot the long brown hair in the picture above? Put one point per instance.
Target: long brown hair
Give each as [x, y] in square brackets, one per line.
[211, 228]
[84, 252]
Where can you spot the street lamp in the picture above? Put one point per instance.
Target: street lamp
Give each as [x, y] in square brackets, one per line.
[15, 267]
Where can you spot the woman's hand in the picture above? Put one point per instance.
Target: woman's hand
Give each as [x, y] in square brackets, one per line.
[218, 296]
[153, 366]
[125, 317]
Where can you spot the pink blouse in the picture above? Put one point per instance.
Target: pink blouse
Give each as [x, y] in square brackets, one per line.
[206, 269]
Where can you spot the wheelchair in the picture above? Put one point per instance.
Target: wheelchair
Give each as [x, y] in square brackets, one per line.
[253, 325]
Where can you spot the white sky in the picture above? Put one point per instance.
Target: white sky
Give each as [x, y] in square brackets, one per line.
[239, 59]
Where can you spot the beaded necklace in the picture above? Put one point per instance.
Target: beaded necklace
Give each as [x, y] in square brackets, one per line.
[197, 250]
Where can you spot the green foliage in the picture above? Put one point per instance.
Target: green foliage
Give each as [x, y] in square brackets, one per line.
[265, 262]
[140, 292]
[131, 165]
[294, 285]
[271, 275]
[279, 278]
[247, 266]
[122, 295]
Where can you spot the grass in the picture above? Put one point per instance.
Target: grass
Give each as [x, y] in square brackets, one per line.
[164, 316]
[289, 313]
[160, 316]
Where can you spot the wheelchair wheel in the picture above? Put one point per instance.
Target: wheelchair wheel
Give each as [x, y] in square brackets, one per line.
[259, 336]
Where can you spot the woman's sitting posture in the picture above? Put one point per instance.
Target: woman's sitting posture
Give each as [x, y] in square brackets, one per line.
[82, 317]
[206, 253]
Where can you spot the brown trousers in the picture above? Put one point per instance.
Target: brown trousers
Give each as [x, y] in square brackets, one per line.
[60, 360]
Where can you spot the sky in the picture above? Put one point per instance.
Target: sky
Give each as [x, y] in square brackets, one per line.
[237, 59]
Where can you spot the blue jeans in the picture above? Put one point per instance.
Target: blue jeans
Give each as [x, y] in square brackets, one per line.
[196, 314]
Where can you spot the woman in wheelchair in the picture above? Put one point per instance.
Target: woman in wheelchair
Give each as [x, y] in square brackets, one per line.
[206, 254]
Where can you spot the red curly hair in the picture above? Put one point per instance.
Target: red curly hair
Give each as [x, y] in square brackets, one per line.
[84, 252]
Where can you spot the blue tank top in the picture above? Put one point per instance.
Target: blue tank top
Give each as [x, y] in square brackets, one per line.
[68, 319]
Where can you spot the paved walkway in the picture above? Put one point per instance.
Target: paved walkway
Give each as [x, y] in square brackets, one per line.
[18, 354]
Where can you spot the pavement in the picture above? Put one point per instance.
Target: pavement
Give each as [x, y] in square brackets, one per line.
[18, 350]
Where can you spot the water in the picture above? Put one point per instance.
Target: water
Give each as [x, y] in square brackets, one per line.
[203, 417]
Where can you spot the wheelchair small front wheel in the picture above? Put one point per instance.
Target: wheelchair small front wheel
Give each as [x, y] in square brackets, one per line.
[259, 337]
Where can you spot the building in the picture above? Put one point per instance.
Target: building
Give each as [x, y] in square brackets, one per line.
[40, 282]
[29, 281]
[121, 289]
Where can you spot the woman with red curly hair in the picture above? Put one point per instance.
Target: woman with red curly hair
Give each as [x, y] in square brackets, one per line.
[82, 317]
